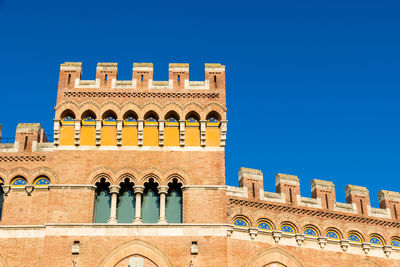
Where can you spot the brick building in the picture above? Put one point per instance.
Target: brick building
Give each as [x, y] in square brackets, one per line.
[136, 177]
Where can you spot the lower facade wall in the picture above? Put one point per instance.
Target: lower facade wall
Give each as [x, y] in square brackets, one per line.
[165, 245]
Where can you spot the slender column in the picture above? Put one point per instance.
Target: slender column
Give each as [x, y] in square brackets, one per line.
[161, 124]
[203, 125]
[119, 132]
[98, 132]
[77, 132]
[223, 130]
[163, 191]
[114, 190]
[138, 190]
[56, 132]
[140, 132]
[182, 132]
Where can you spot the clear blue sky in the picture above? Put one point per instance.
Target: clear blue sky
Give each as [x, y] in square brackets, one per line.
[313, 86]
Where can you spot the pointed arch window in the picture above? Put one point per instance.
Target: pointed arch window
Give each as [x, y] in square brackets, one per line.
[126, 202]
[102, 201]
[151, 202]
[173, 207]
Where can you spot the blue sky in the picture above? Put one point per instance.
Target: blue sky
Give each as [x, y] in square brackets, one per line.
[312, 86]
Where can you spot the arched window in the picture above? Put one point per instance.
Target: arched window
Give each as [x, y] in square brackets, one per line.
[173, 207]
[129, 131]
[310, 231]
[376, 240]
[264, 225]
[41, 181]
[171, 131]
[241, 222]
[354, 237]
[287, 228]
[109, 129]
[192, 130]
[18, 182]
[332, 234]
[102, 202]
[150, 130]
[88, 130]
[151, 202]
[126, 202]
[1, 198]
[67, 130]
[395, 242]
[212, 131]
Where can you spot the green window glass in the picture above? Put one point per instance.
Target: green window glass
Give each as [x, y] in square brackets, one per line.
[173, 208]
[150, 203]
[102, 202]
[126, 203]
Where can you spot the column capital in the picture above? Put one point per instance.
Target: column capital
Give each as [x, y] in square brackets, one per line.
[163, 189]
[138, 189]
[114, 189]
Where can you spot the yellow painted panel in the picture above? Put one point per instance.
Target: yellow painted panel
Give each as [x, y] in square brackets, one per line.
[171, 136]
[192, 136]
[212, 136]
[88, 136]
[109, 136]
[129, 136]
[67, 136]
[150, 136]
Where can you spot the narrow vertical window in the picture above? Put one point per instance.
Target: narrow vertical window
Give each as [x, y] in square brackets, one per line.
[290, 195]
[105, 78]
[215, 81]
[151, 202]
[26, 142]
[395, 211]
[361, 204]
[179, 78]
[254, 193]
[326, 200]
[69, 79]
[141, 78]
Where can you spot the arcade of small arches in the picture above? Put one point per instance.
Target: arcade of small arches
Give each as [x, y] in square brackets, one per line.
[130, 130]
[313, 232]
[129, 202]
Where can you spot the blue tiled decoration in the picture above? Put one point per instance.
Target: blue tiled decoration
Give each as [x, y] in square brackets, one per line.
[354, 238]
[310, 232]
[130, 119]
[43, 181]
[241, 223]
[68, 118]
[332, 235]
[172, 119]
[375, 241]
[109, 119]
[88, 118]
[287, 229]
[18, 182]
[264, 226]
[151, 119]
[395, 243]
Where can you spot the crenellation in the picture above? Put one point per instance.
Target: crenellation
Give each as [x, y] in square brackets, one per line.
[358, 195]
[390, 200]
[325, 191]
[289, 185]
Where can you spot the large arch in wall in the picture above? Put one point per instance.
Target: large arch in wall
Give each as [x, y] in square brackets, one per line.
[272, 256]
[136, 248]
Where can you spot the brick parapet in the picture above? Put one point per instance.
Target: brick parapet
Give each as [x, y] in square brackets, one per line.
[323, 197]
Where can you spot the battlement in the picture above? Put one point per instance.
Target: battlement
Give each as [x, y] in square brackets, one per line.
[142, 77]
[323, 195]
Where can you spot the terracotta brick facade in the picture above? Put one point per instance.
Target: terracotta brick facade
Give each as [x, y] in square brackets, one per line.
[53, 224]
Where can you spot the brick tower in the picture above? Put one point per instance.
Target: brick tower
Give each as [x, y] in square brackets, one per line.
[136, 177]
